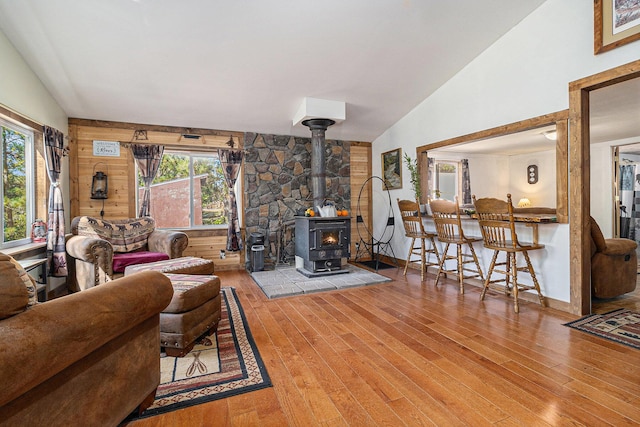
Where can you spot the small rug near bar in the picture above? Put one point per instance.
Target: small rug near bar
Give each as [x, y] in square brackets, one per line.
[621, 325]
[287, 281]
[224, 364]
[379, 265]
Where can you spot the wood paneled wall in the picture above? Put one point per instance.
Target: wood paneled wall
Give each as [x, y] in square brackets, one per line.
[42, 181]
[208, 244]
[360, 171]
[122, 181]
[121, 174]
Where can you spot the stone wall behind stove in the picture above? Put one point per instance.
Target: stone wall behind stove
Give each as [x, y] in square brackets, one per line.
[277, 183]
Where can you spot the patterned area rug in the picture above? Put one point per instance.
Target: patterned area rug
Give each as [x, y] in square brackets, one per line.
[621, 325]
[286, 281]
[224, 364]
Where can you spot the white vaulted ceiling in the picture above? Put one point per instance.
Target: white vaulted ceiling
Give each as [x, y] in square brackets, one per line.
[246, 65]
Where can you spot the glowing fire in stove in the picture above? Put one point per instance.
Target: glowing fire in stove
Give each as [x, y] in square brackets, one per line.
[330, 238]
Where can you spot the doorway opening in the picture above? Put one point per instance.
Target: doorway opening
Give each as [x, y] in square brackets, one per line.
[626, 191]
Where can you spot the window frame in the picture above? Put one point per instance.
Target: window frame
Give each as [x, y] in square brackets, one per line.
[191, 154]
[30, 180]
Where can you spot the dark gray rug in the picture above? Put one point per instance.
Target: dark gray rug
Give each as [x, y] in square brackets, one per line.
[286, 281]
[376, 264]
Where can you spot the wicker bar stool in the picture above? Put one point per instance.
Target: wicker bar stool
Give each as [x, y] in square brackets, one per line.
[499, 233]
[446, 216]
[414, 229]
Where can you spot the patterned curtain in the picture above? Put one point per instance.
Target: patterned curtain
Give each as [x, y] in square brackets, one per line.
[231, 161]
[466, 182]
[148, 158]
[56, 255]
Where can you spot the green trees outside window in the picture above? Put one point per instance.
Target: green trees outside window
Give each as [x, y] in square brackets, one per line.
[189, 190]
[15, 184]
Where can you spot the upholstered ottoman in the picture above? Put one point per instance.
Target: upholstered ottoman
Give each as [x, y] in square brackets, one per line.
[194, 309]
[182, 265]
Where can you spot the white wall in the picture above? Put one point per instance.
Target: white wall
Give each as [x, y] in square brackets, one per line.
[524, 74]
[542, 193]
[22, 92]
[497, 175]
[602, 186]
[493, 171]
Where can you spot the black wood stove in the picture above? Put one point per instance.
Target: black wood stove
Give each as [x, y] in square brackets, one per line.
[321, 243]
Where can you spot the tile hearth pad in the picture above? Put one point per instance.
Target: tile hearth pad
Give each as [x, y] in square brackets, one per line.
[286, 281]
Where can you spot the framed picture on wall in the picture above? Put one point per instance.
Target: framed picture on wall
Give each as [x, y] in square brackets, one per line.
[616, 23]
[392, 168]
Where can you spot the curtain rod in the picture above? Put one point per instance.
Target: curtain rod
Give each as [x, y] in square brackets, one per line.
[178, 147]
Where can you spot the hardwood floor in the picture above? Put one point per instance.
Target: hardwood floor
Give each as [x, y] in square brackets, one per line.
[630, 301]
[408, 353]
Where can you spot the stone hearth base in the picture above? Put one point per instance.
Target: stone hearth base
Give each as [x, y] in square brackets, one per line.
[286, 281]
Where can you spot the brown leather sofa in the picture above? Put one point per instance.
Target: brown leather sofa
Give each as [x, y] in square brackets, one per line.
[614, 265]
[89, 358]
[95, 246]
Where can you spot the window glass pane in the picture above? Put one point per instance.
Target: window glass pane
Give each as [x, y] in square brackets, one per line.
[210, 192]
[170, 192]
[15, 185]
[189, 190]
[446, 182]
[173, 166]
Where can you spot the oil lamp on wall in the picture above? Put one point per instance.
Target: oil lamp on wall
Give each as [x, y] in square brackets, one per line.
[99, 186]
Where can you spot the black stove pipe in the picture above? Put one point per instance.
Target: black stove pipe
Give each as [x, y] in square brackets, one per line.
[318, 175]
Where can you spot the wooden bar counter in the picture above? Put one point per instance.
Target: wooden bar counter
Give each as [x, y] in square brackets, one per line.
[537, 225]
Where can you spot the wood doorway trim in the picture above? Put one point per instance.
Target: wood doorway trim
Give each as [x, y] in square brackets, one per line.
[580, 179]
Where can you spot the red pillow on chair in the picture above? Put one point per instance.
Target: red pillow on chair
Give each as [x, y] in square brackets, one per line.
[122, 260]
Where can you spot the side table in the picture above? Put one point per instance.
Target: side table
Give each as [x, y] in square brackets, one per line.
[43, 283]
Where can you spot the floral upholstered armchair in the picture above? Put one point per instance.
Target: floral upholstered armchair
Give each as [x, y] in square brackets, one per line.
[101, 249]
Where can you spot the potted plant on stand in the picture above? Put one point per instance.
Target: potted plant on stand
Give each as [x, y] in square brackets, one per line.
[412, 165]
